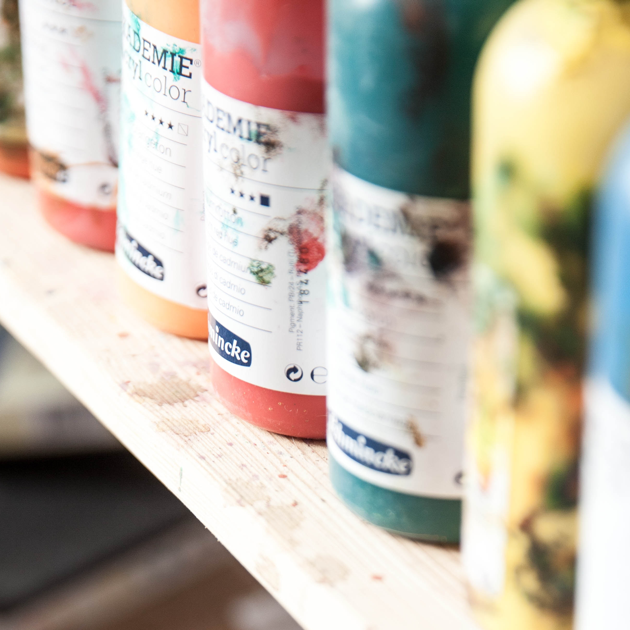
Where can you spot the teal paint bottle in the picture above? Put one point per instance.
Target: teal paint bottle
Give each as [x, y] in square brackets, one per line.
[400, 245]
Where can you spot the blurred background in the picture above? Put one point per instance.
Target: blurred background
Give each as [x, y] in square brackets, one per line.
[89, 539]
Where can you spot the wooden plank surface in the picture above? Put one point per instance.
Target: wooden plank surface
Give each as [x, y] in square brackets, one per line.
[267, 498]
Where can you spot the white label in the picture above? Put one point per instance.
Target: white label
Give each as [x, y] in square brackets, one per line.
[265, 174]
[398, 336]
[160, 241]
[71, 53]
[484, 527]
[604, 552]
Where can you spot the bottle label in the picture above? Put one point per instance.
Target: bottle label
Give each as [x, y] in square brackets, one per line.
[71, 54]
[491, 437]
[398, 336]
[160, 241]
[604, 571]
[265, 173]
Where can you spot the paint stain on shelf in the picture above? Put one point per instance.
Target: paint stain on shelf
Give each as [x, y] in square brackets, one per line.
[327, 570]
[185, 427]
[283, 520]
[244, 493]
[167, 391]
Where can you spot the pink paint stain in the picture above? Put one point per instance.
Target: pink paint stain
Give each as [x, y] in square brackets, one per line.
[90, 86]
[77, 4]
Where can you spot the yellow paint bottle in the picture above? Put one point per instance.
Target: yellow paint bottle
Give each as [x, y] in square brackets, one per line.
[552, 89]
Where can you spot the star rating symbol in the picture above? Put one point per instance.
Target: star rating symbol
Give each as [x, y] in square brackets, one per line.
[242, 194]
[161, 121]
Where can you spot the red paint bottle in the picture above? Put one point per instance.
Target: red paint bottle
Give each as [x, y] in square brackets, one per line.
[71, 61]
[265, 174]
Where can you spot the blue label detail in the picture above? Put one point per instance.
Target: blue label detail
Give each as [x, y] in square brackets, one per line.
[228, 345]
[610, 342]
[368, 452]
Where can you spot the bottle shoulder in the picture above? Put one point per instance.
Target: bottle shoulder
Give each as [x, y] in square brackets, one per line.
[540, 43]
[178, 18]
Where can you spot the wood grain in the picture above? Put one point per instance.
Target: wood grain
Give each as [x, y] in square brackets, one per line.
[267, 498]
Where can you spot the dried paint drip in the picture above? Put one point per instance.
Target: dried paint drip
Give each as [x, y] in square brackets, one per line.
[262, 271]
[446, 232]
[306, 232]
[372, 350]
[307, 235]
[104, 108]
[271, 142]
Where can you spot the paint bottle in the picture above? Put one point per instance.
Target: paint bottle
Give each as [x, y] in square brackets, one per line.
[400, 247]
[551, 92]
[604, 547]
[71, 61]
[13, 142]
[265, 173]
[160, 241]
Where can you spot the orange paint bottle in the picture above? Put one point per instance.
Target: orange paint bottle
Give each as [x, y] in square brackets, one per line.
[71, 60]
[160, 241]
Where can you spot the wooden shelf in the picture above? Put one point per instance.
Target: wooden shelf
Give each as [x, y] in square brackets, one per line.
[266, 498]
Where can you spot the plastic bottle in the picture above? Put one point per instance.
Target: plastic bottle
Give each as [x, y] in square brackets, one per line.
[265, 171]
[399, 101]
[160, 244]
[604, 546]
[13, 142]
[71, 60]
[552, 90]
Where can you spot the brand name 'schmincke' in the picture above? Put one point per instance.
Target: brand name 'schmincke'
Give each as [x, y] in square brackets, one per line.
[140, 257]
[230, 346]
[368, 452]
